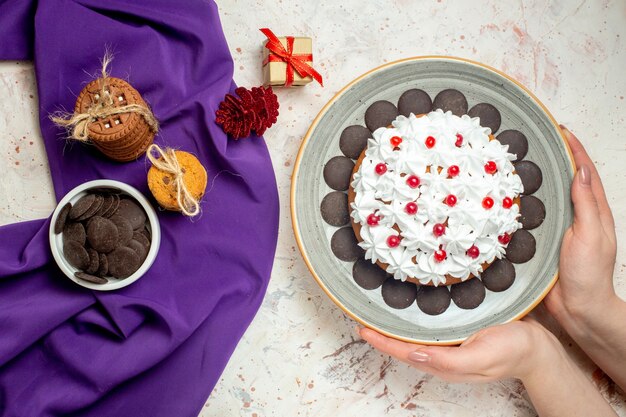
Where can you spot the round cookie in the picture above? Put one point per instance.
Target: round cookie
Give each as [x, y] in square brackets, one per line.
[530, 174]
[518, 144]
[500, 275]
[59, 224]
[123, 262]
[469, 294]
[353, 140]
[163, 186]
[337, 172]
[414, 101]
[75, 254]
[398, 294]
[532, 212]
[433, 300]
[102, 234]
[368, 275]
[488, 114]
[521, 248]
[345, 246]
[451, 100]
[380, 114]
[334, 208]
[75, 232]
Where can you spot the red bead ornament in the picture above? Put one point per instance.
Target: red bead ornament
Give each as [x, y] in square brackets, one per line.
[395, 141]
[453, 170]
[507, 202]
[504, 239]
[459, 140]
[430, 142]
[380, 168]
[440, 255]
[473, 252]
[373, 219]
[491, 168]
[487, 202]
[411, 207]
[393, 241]
[451, 200]
[439, 229]
[251, 110]
[413, 181]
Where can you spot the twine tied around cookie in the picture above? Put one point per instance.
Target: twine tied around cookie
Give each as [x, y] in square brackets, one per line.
[77, 124]
[166, 161]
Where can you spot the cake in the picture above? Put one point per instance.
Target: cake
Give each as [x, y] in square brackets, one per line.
[434, 198]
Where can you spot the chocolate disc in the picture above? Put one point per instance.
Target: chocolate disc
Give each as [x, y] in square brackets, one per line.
[124, 229]
[433, 300]
[518, 144]
[532, 212]
[114, 206]
[530, 175]
[368, 275]
[414, 101]
[521, 248]
[94, 261]
[398, 294]
[123, 262]
[451, 100]
[132, 212]
[334, 208]
[90, 278]
[353, 140]
[139, 248]
[499, 276]
[75, 232]
[103, 268]
[141, 238]
[102, 234]
[75, 254]
[488, 114]
[91, 211]
[380, 114]
[107, 203]
[345, 246]
[469, 294]
[337, 172]
[59, 224]
[81, 206]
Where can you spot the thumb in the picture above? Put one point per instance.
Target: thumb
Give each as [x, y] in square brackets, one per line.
[452, 360]
[586, 212]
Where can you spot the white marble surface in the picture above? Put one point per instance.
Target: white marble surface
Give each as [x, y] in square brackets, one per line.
[300, 356]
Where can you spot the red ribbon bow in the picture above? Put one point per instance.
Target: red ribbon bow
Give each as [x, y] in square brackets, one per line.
[297, 62]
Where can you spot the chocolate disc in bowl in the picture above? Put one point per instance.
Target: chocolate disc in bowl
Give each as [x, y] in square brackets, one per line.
[414, 101]
[76, 232]
[81, 206]
[380, 114]
[59, 224]
[353, 140]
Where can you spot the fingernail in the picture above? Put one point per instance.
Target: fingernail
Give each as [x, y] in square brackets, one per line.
[357, 330]
[585, 176]
[563, 127]
[418, 356]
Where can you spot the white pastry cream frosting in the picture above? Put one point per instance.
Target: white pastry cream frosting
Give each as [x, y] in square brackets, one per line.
[434, 197]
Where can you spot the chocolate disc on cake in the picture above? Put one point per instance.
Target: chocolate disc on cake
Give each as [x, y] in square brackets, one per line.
[334, 208]
[532, 212]
[380, 114]
[414, 101]
[353, 140]
[368, 275]
[345, 246]
[337, 172]
[433, 300]
[398, 294]
[451, 100]
[530, 174]
[488, 114]
[59, 224]
[469, 294]
[499, 276]
[518, 144]
[521, 248]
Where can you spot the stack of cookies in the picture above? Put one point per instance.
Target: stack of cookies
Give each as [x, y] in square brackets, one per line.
[122, 137]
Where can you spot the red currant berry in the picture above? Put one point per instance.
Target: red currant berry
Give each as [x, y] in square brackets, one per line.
[459, 140]
[373, 219]
[491, 167]
[473, 252]
[451, 200]
[411, 208]
[507, 202]
[453, 170]
[440, 255]
[393, 241]
[381, 168]
[439, 229]
[395, 141]
[504, 239]
[487, 202]
[413, 181]
[430, 142]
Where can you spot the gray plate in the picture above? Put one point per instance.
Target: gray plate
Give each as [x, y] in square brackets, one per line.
[520, 110]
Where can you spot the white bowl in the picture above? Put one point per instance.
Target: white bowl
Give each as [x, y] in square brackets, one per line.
[56, 240]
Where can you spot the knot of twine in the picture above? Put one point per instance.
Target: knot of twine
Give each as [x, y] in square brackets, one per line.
[165, 160]
[78, 123]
